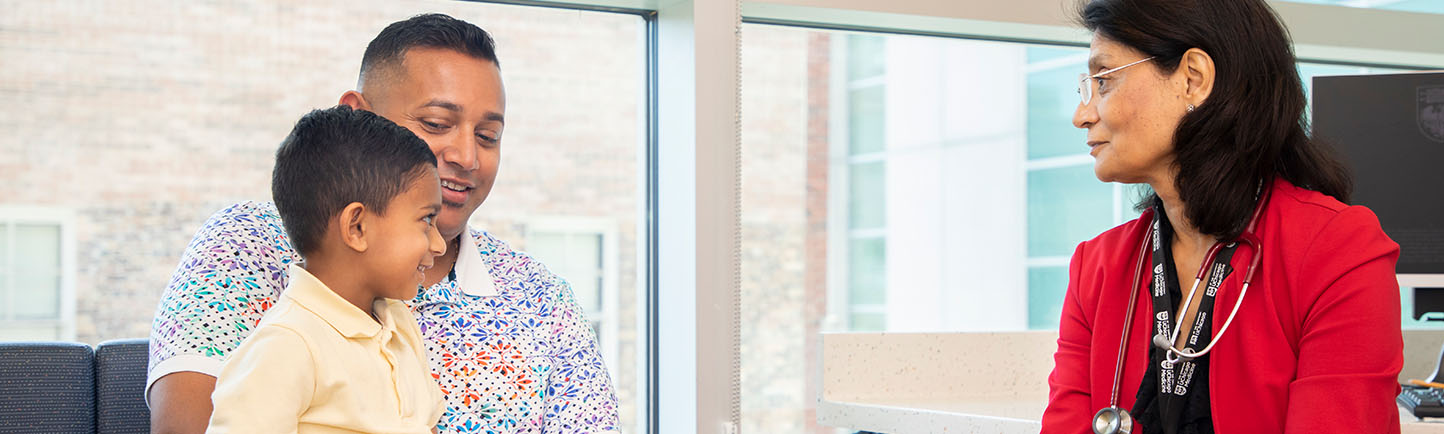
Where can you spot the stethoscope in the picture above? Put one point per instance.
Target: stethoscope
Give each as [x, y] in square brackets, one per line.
[1114, 420]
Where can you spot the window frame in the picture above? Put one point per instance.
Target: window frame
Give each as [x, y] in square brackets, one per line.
[64, 220]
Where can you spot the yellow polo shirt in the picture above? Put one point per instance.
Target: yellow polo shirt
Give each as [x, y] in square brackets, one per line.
[317, 364]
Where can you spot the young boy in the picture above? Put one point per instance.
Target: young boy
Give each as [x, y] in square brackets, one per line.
[339, 352]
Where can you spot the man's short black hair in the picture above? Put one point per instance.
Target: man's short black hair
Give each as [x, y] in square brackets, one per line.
[389, 47]
[337, 156]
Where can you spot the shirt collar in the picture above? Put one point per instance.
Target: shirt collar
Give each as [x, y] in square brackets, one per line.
[472, 275]
[313, 295]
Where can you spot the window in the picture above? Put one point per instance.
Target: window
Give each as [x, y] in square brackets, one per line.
[148, 131]
[906, 183]
[36, 298]
[1427, 6]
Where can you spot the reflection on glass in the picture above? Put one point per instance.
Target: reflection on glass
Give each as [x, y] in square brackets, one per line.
[868, 195]
[1426, 6]
[1065, 207]
[1046, 287]
[867, 267]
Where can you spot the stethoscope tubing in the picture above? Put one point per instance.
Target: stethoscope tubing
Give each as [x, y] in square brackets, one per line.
[1128, 316]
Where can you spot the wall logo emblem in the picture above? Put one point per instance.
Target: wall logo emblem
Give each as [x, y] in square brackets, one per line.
[1430, 109]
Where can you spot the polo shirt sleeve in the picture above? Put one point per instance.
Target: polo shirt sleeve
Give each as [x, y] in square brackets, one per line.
[231, 272]
[580, 398]
[266, 385]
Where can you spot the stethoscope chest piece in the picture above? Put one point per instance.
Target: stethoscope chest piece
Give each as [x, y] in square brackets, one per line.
[1112, 420]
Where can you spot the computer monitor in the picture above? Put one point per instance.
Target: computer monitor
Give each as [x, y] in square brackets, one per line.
[1389, 129]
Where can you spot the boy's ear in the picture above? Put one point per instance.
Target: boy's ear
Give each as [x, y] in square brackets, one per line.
[353, 225]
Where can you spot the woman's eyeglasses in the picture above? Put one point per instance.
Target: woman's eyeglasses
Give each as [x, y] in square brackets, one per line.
[1085, 85]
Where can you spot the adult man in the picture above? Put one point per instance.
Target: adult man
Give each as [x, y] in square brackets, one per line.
[506, 340]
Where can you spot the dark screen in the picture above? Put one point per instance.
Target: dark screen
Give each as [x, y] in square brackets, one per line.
[1390, 131]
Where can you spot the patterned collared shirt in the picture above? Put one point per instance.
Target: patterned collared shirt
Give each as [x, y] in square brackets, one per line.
[515, 356]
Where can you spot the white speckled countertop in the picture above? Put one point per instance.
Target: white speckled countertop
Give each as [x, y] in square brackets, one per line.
[996, 383]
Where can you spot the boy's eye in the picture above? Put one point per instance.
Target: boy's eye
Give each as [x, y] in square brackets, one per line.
[433, 125]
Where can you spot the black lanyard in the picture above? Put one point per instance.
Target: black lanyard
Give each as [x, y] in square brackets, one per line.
[1174, 381]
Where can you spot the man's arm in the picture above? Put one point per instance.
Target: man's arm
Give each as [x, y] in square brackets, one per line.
[580, 398]
[180, 403]
[228, 276]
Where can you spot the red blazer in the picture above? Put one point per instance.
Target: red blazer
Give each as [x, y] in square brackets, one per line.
[1316, 347]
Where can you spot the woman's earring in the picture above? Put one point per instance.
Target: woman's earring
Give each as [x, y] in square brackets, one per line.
[1190, 108]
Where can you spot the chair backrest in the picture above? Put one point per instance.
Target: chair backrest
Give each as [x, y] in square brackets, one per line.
[120, 387]
[47, 387]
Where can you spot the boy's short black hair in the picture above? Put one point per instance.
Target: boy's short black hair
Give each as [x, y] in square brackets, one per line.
[389, 47]
[337, 156]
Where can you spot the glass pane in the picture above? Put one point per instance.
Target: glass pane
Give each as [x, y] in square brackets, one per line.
[868, 322]
[865, 55]
[13, 332]
[1065, 207]
[36, 296]
[1425, 6]
[957, 162]
[865, 119]
[867, 273]
[4, 249]
[37, 248]
[1046, 289]
[584, 261]
[1052, 98]
[575, 123]
[867, 196]
[36, 276]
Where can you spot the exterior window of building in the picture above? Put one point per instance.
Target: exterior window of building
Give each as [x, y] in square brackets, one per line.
[1426, 6]
[36, 299]
[866, 169]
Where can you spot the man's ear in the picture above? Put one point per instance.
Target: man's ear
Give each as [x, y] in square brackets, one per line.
[1198, 72]
[353, 225]
[355, 100]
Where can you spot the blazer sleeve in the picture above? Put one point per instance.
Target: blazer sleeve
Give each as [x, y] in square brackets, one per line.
[1350, 348]
[1069, 397]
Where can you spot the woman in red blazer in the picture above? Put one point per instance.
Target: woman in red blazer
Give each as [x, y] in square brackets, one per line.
[1199, 99]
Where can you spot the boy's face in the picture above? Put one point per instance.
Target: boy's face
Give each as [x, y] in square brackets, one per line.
[406, 241]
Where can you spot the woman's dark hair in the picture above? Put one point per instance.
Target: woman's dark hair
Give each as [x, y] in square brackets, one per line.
[1251, 128]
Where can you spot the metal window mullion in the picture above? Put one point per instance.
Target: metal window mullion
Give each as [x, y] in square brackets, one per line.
[9, 313]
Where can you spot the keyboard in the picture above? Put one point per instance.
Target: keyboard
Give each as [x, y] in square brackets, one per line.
[1422, 401]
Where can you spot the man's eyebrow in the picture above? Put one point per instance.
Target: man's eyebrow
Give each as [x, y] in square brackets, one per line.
[433, 208]
[447, 105]
[454, 107]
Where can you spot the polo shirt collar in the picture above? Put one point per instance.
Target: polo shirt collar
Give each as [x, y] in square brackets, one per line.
[313, 295]
[473, 275]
